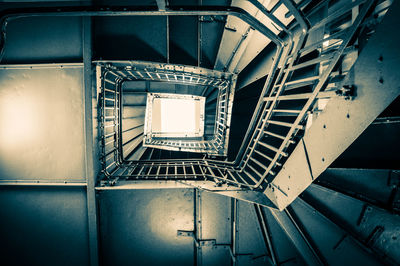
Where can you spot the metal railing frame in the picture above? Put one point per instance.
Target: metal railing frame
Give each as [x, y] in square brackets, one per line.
[132, 70]
[237, 172]
[221, 128]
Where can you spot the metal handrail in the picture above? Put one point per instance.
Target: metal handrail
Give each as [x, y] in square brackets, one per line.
[304, 25]
[225, 82]
[267, 85]
[310, 98]
[290, 54]
[321, 82]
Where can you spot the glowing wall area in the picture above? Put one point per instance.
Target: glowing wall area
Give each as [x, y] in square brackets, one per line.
[41, 123]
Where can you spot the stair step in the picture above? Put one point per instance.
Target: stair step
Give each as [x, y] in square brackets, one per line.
[286, 112]
[338, 13]
[258, 163]
[263, 155]
[134, 98]
[284, 124]
[130, 146]
[299, 83]
[272, 148]
[129, 135]
[277, 136]
[311, 62]
[312, 47]
[251, 176]
[301, 96]
[137, 154]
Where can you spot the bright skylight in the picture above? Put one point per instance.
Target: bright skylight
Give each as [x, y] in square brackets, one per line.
[174, 115]
[178, 115]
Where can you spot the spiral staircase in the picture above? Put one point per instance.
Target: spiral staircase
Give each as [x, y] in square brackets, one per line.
[301, 99]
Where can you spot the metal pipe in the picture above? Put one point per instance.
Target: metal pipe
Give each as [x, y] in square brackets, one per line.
[268, 14]
[234, 229]
[325, 213]
[266, 233]
[50, 182]
[42, 66]
[300, 228]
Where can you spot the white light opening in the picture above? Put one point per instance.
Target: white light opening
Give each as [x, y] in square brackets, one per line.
[174, 115]
[178, 116]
